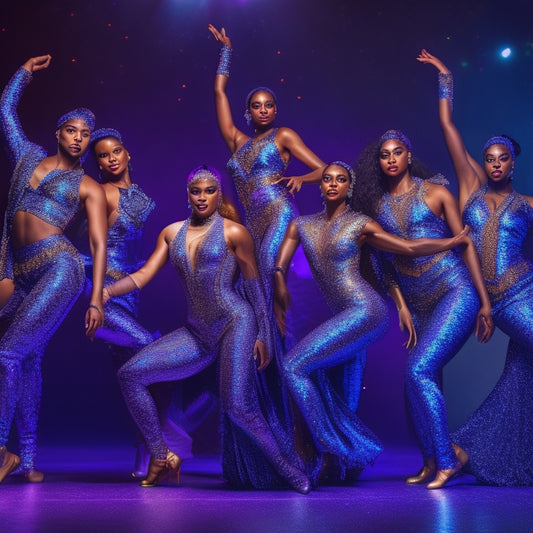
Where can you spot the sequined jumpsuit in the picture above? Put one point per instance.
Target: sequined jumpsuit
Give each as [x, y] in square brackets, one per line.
[123, 257]
[268, 207]
[219, 322]
[48, 274]
[360, 319]
[440, 294]
[498, 437]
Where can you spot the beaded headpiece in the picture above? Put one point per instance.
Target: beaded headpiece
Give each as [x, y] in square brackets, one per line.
[81, 113]
[247, 114]
[204, 172]
[351, 174]
[396, 134]
[499, 139]
[102, 133]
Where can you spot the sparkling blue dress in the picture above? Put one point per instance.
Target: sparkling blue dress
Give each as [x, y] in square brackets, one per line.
[220, 322]
[439, 292]
[360, 318]
[48, 274]
[498, 437]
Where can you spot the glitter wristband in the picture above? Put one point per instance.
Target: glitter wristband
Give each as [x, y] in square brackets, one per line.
[224, 61]
[446, 87]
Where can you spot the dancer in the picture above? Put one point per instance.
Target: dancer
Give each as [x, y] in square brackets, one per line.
[498, 437]
[258, 163]
[443, 297]
[47, 270]
[206, 251]
[331, 241]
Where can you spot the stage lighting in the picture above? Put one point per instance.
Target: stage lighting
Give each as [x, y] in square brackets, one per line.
[506, 53]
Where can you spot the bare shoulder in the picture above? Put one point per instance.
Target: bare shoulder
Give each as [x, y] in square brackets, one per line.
[434, 190]
[90, 187]
[234, 229]
[286, 135]
[168, 233]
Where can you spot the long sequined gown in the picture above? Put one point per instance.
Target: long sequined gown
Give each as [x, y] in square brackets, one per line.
[48, 274]
[498, 437]
[360, 319]
[440, 294]
[220, 322]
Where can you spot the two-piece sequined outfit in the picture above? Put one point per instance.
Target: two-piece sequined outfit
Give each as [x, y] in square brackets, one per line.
[441, 296]
[360, 319]
[48, 274]
[219, 322]
[498, 437]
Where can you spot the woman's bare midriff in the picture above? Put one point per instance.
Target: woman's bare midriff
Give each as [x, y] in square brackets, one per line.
[29, 228]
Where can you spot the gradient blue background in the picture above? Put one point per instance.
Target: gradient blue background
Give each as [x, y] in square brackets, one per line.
[343, 71]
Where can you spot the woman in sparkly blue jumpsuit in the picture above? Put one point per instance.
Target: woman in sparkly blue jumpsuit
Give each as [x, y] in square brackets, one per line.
[439, 290]
[258, 163]
[47, 271]
[331, 241]
[498, 437]
[207, 252]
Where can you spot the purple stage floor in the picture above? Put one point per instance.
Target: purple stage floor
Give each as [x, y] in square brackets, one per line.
[89, 490]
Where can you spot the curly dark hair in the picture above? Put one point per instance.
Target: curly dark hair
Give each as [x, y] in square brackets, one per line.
[371, 183]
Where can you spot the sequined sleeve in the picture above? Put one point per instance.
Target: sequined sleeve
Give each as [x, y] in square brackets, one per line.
[15, 141]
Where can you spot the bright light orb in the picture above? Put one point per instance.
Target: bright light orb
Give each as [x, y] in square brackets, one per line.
[505, 53]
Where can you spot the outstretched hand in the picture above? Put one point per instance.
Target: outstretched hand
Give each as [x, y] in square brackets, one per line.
[427, 58]
[94, 319]
[37, 63]
[220, 36]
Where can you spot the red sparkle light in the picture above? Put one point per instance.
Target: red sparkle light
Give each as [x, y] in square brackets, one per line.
[282, 80]
[126, 36]
[73, 60]
[278, 52]
[183, 85]
[179, 99]
[72, 14]
[298, 98]
[109, 24]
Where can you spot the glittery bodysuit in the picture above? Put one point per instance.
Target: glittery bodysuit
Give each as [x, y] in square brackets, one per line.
[360, 319]
[48, 274]
[220, 322]
[498, 437]
[440, 294]
[268, 207]
[124, 257]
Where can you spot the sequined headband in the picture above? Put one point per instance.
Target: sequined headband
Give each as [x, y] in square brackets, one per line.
[396, 134]
[204, 172]
[102, 133]
[81, 113]
[500, 140]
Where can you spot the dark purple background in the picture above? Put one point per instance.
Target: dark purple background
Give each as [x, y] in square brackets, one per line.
[343, 71]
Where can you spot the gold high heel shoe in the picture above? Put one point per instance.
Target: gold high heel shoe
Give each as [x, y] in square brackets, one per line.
[424, 474]
[8, 463]
[34, 476]
[443, 476]
[161, 469]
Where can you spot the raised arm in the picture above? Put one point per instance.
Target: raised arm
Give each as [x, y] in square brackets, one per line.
[469, 173]
[16, 140]
[232, 136]
[93, 197]
[290, 142]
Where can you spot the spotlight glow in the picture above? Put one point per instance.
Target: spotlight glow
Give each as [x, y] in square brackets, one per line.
[505, 53]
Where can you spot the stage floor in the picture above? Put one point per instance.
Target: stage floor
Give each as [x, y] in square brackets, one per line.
[89, 490]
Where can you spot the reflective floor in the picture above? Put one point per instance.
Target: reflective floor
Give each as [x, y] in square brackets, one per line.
[90, 490]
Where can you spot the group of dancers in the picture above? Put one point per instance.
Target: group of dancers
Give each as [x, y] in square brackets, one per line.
[288, 407]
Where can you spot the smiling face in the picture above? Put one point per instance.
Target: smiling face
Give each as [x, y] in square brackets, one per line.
[203, 197]
[262, 109]
[335, 184]
[394, 158]
[498, 163]
[112, 158]
[73, 138]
